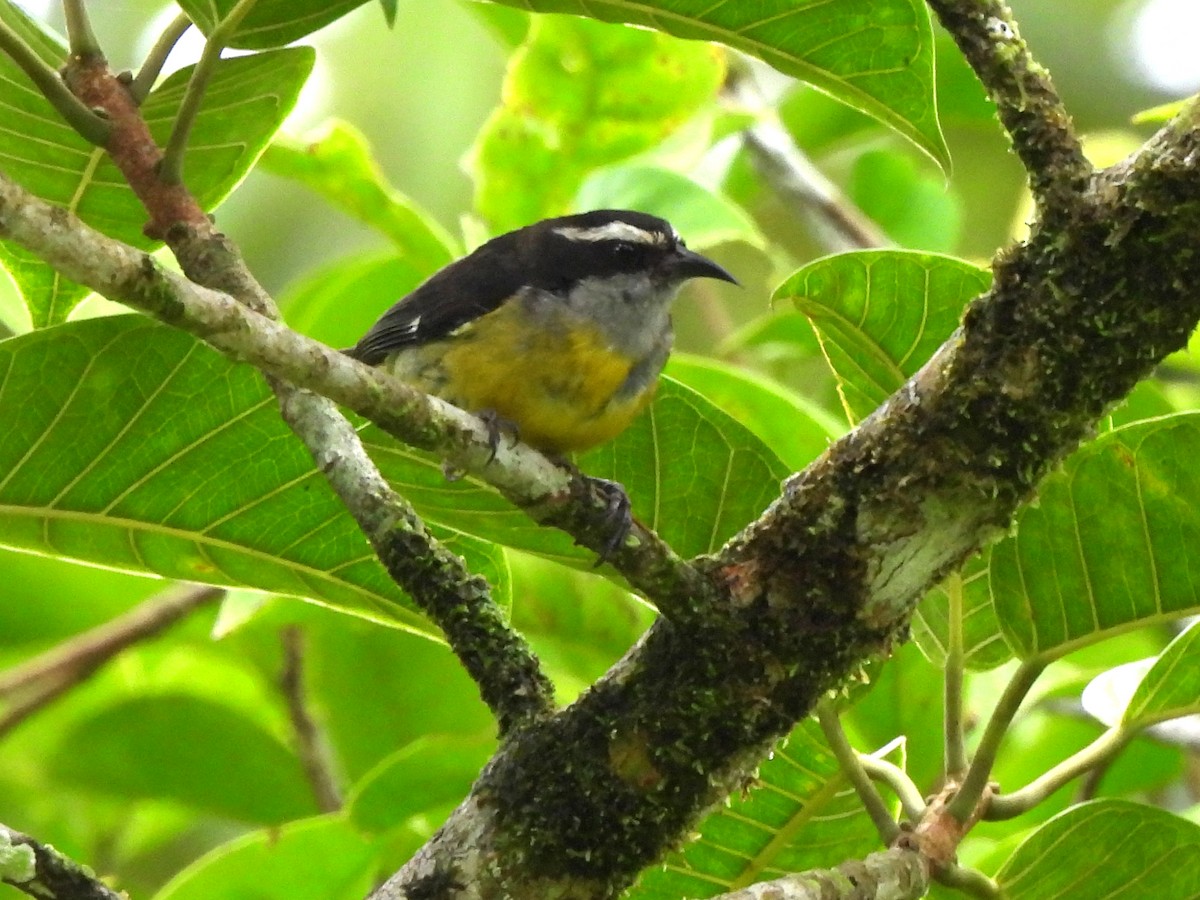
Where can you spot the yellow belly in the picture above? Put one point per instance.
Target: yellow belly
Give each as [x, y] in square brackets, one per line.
[560, 388]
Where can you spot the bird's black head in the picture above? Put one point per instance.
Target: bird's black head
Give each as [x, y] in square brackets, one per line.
[607, 242]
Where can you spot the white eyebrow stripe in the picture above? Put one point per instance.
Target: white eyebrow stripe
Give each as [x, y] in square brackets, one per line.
[614, 231]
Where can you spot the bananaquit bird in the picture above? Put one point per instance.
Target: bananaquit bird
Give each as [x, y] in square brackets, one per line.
[560, 328]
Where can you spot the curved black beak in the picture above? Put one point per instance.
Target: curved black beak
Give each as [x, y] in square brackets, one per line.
[685, 263]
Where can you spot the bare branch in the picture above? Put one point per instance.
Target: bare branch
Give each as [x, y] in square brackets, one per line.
[887, 875]
[37, 682]
[40, 871]
[1029, 106]
[797, 181]
[311, 745]
[497, 657]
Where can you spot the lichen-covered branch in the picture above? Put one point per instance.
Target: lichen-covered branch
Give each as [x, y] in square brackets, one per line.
[1028, 105]
[40, 871]
[886, 875]
[496, 656]
[575, 804]
[829, 575]
[830, 572]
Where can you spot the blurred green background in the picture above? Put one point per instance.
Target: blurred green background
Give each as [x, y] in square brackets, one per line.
[419, 92]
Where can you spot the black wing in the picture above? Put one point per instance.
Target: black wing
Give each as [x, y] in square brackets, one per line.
[462, 291]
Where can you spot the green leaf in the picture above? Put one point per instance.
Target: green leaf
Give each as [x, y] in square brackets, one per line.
[1147, 400]
[508, 26]
[389, 11]
[246, 102]
[49, 297]
[337, 303]
[1113, 847]
[271, 23]
[903, 699]
[801, 814]
[431, 773]
[580, 623]
[376, 690]
[145, 451]
[877, 56]
[1172, 686]
[1106, 697]
[962, 100]
[704, 218]
[783, 344]
[190, 750]
[33, 122]
[579, 95]
[1107, 547]
[796, 430]
[819, 124]
[314, 859]
[337, 164]
[693, 473]
[914, 207]
[133, 446]
[983, 640]
[1157, 115]
[880, 314]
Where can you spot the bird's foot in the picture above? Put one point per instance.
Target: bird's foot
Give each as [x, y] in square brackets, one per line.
[497, 425]
[618, 516]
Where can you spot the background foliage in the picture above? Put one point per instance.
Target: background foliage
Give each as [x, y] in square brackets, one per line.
[173, 769]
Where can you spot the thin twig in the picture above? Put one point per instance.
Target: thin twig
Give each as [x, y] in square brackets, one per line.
[897, 874]
[897, 779]
[550, 494]
[143, 82]
[965, 802]
[938, 834]
[311, 746]
[90, 126]
[41, 871]
[171, 168]
[32, 685]
[841, 224]
[852, 768]
[509, 675]
[955, 752]
[1095, 755]
[969, 881]
[837, 221]
[1026, 100]
[80, 36]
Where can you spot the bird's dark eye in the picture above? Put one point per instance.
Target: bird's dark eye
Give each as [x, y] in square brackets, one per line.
[623, 250]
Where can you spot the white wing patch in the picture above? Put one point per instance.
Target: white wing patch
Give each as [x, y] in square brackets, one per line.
[614, 231]
[411, 326]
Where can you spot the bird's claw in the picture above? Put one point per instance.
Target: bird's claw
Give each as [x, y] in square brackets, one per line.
[497, 425]
[618, 514]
